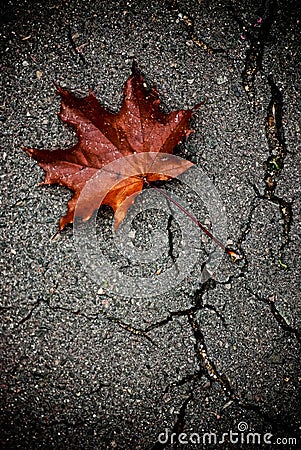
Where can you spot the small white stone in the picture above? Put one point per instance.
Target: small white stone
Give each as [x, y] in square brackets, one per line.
[221, 79]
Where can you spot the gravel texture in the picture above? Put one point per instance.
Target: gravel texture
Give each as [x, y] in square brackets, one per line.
[83, 369]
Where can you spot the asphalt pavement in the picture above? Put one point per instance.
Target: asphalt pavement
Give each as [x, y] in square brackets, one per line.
[209, 362]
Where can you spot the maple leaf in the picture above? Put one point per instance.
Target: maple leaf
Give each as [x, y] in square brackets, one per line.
[104, 137]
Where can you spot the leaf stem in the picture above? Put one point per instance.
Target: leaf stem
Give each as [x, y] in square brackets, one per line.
[234, 256]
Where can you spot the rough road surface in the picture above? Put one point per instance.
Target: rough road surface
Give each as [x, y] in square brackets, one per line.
[205, 364]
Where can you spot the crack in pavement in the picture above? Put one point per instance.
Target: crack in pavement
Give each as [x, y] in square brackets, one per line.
[244, 232]
[186, 379]
[198, 298]
[133, 330]
[244, 269]
[257, 35]
[214, 376]
[178, 427]
[208, 367]
[270, 301]
[202, 354]
[170, 239]
[218, 313]
[274, 164]
[29, 314]
[189, 24]
[209, 370]
[75, 48]
[91, 318]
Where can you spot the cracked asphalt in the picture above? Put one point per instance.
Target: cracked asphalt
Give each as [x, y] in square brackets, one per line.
[81, 369]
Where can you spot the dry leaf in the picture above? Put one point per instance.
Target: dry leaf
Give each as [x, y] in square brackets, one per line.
[103, 137]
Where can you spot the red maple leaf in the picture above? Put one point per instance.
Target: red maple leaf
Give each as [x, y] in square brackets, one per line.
[103, 137]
